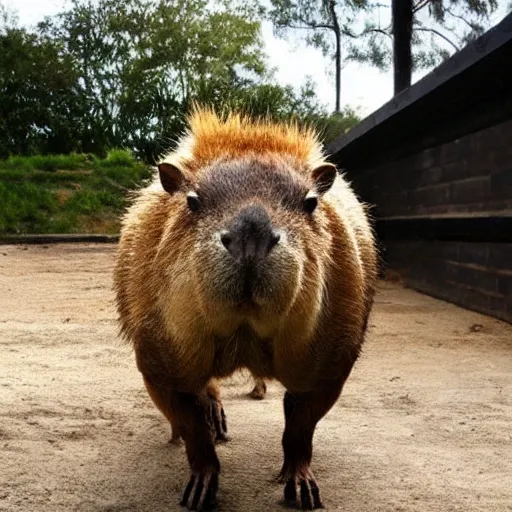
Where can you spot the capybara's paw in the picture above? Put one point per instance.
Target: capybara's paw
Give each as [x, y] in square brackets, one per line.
[176, 436]
[175, 439]
[303, 493]
[201, 491]
[259, 391]
[218, 421]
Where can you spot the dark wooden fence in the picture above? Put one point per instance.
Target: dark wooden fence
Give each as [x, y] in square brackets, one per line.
[436, 162]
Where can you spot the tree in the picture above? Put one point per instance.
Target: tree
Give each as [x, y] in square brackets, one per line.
[142, 62]
[402, 26]
[318, 18]
[422, 34]
[103, 74]
[41, 105]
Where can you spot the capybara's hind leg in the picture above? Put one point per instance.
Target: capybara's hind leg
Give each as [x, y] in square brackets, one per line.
[175, 435]
[191, 413]
[302, 413]
[260, 389]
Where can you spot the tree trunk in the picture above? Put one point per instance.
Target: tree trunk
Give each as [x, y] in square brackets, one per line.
[402, 17]
[337, 33]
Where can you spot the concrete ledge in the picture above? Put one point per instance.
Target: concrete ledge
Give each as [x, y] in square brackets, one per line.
[472, 228]
[57, 239]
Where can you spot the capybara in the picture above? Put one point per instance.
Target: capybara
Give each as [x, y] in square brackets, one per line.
[248, 250]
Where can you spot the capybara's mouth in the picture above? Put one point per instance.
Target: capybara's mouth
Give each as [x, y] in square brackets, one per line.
[249, 276]
[246, 306]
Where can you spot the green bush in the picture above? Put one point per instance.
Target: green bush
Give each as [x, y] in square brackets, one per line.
[48, 162]
[67, 193]
[119, 157]
[26, 206]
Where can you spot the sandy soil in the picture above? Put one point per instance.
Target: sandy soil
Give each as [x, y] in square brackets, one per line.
[424, 423]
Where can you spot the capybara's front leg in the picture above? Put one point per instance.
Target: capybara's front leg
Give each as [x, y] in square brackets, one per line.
[302, 413]
[217, 417]
[160, 401]
[217, 414]
[196, 417]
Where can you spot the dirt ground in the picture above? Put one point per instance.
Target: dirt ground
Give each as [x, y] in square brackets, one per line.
[424, 423]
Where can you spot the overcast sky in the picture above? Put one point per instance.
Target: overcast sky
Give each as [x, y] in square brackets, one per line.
[362, 86]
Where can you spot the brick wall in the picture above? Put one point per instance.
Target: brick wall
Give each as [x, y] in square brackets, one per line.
[436, 163]
[469, 177]
[472, 174]
[477, 276]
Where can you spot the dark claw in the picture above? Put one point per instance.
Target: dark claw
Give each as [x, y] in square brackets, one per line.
[218, 419]
[224, 423]
[309, 494]
[316, 494]
[201, 492]
[306, 496]
[290, 493]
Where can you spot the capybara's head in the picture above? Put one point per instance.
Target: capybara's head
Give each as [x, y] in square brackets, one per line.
[254, 219]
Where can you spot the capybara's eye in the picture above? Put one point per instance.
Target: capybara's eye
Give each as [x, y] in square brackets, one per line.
[193, 202]
[310, 203]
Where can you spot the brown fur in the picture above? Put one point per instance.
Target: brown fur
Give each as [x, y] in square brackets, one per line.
[211, 136]
[172, 281]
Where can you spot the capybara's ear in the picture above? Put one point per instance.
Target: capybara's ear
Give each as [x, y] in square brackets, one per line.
[323, 177]
[171, 177]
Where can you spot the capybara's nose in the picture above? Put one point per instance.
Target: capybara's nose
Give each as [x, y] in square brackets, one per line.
[251, 236]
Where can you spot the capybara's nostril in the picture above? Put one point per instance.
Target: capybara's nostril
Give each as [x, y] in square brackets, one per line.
[227, 240]
[274, 240]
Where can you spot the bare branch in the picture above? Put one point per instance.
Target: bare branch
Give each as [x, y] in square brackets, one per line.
[420, 5]
[312, 24]
[367, 31]
[458, 16]
[379, 31]
[308, 27]
[322, 25]
[439, 34]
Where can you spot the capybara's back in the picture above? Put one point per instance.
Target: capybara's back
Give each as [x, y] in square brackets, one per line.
[248, 250]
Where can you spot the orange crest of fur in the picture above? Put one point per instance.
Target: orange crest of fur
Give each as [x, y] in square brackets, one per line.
[211, 137]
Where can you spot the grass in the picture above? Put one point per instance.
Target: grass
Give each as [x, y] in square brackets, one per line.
[75, 193]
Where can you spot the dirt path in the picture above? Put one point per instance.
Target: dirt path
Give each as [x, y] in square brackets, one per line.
[424, 423]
